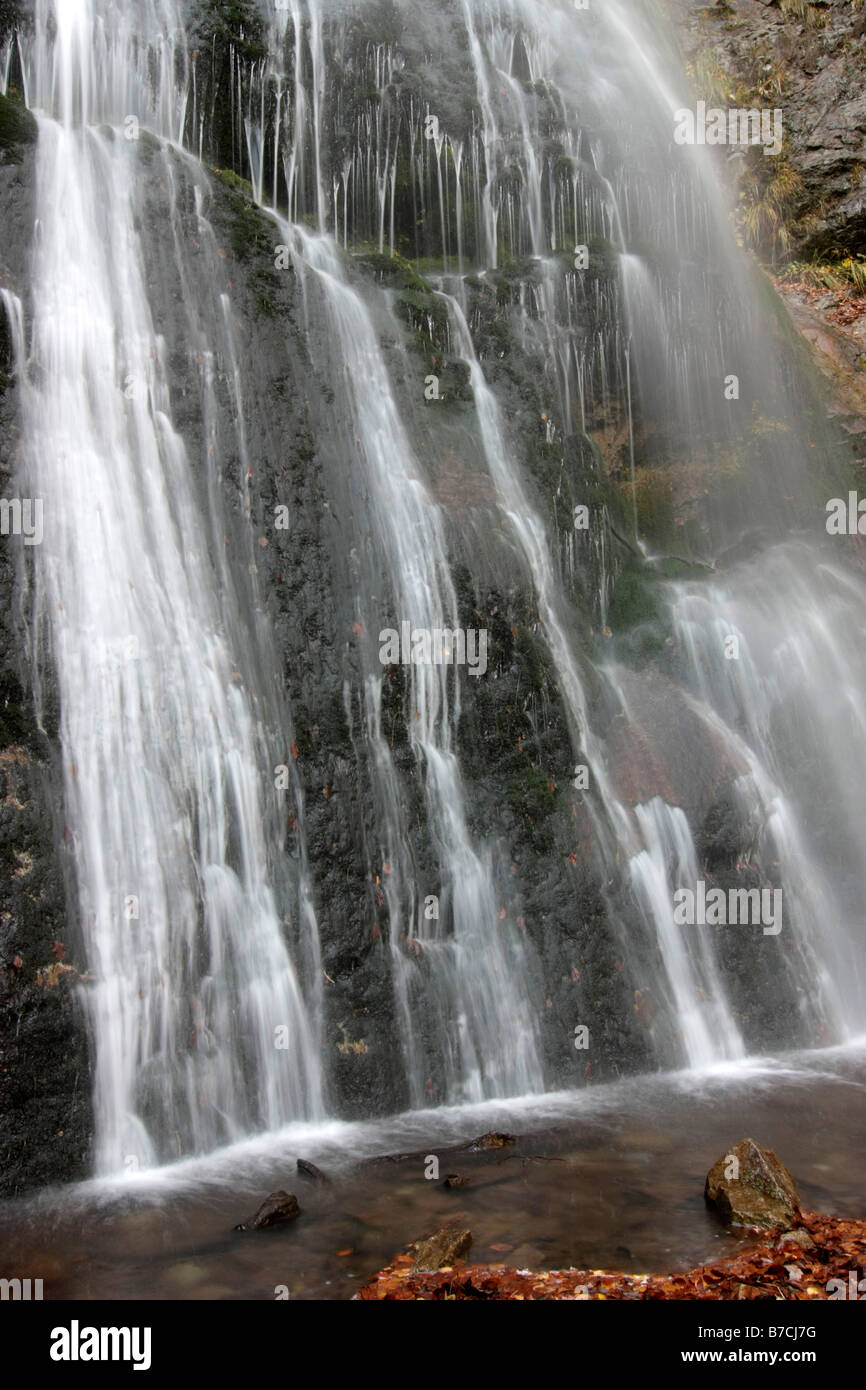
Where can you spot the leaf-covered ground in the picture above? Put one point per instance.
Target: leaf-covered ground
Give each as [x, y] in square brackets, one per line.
[797, 1265]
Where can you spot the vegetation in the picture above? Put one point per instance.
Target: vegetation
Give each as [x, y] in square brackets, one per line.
[17, 128]
[768, 190]
[769, 193]
[833, 273]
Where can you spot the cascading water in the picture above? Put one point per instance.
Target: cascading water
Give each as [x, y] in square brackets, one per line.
[483, 1027]
[646, 348]
[659, 845]
[550, 222]
[163, 746]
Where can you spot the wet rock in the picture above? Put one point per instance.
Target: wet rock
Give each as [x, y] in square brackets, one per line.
[17, 128]
[441, 1249]
[750, 1186]
[45, 1045]
[277, 1209]
[309, 1170]
[455, 1180]
[493, 1140]
[824, 107]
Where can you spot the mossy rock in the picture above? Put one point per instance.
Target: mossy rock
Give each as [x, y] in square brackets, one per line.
[390, 270]
[635, 601]
[148, 146]
[750, 1186]
[235, 182]
[531, 794]
[17, 129]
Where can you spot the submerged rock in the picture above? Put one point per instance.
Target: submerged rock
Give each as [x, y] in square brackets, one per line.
[275, 1210]
[441, 1249]
[750, 1186]
[493, 1140]
[309, 1170]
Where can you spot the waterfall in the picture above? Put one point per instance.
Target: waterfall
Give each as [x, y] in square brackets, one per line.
[658, 841]
[165, 756]
[484, 1032]
[502, 257]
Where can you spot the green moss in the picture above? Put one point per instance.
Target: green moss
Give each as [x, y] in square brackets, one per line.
[532, 660]
[635, 600]
[248, 232]
[235, 182]
[390, 270]
[252, 236]
[17, 128]
[424, 309]
[218, 24]
[531, 794]
[428, 265]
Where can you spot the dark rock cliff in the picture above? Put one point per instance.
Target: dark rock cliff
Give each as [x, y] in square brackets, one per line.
[44, 1070]
[809, 60]
[514, 741]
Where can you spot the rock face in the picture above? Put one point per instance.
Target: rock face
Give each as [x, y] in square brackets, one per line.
[277, 1209]
[515, 745]
[750, 1186]
[441, 1249]
[45, 1077]
[812, 61]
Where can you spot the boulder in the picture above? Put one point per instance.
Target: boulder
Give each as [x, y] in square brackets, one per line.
[441, 1249]
[750, 1186]
[275, 1210]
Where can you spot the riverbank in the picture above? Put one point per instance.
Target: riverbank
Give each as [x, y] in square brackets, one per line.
[821, 1258]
